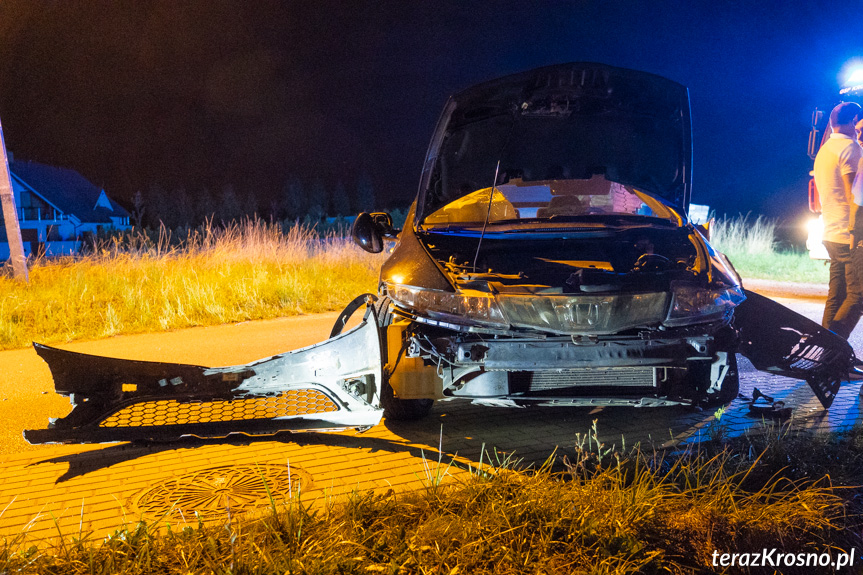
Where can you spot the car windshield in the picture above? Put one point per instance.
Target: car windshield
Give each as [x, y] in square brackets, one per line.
[558, 199]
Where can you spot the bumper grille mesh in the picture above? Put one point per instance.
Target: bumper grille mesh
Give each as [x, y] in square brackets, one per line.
[173, 412]
[614, 377]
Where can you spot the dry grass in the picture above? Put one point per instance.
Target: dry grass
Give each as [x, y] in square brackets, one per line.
[605, 512]
[252, 271]
[215, 276]
[752, 248]
[740, 235]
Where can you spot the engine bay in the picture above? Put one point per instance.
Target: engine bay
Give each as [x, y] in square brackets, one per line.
[628, 260]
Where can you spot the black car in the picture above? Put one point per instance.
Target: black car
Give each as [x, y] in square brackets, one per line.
[547, 260]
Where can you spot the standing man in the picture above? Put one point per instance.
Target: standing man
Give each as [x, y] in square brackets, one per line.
[835, 167]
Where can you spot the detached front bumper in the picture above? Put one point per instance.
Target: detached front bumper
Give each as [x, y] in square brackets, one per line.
[332, 385]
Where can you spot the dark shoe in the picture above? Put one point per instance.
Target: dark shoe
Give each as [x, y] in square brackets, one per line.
[758, 394]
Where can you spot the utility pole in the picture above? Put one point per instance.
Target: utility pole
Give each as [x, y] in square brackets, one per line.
[10, 216]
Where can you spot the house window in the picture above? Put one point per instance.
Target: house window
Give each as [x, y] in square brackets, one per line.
[32, 207]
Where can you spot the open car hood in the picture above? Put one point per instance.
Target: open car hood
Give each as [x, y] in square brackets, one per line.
[570, 121]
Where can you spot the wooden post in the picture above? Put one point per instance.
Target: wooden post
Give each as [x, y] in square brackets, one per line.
[10, 216]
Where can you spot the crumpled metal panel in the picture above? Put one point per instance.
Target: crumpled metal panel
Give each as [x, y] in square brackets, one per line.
[331, 385]
[781, 341]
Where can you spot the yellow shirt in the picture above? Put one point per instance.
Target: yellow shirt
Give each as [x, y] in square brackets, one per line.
[839, 155]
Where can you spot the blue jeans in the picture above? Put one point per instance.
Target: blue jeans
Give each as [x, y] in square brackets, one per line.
[845, 292]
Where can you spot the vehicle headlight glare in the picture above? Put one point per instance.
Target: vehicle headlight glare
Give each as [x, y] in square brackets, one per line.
[693, 304]
[464, 307]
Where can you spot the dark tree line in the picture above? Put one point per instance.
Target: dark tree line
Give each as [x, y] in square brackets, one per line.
[307, 201]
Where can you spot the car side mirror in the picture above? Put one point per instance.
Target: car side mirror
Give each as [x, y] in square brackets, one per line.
[706, 227]
[369, 231]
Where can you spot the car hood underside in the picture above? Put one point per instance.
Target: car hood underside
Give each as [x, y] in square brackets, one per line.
[572, 121]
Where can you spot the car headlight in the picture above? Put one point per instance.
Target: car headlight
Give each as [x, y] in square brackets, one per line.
[465, 307]
[693, 304]
[563, 314]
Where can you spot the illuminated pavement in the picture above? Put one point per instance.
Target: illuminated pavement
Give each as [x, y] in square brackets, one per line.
[67, 490]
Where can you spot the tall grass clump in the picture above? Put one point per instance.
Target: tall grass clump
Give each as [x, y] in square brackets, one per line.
[752, 247]
[741, 235]
[604, 512]
[142, 283]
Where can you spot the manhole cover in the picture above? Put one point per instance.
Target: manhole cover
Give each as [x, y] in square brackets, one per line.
[213, 493]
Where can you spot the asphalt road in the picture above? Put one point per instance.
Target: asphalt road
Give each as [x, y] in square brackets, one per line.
[27, 398]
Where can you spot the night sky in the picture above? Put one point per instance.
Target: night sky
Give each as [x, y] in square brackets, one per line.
[201, 94]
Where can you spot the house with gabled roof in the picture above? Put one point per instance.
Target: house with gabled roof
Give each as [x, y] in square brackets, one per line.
[57, 207]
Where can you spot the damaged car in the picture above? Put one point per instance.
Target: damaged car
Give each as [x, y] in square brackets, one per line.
[547, 260]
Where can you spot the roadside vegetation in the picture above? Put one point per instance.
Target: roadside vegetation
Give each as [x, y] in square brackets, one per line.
[140, 282]
[149, 281]
[597, 511]
[751, 246]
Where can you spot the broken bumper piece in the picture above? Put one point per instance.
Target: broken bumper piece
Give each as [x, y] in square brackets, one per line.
[331, 385]
[782, 342]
